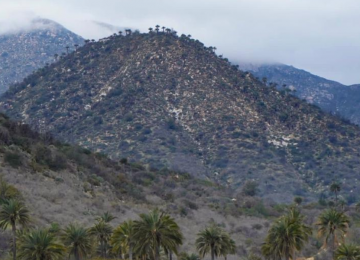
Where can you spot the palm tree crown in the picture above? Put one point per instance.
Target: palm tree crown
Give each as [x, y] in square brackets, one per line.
[13, 212]
[157, 230]
[102, 232]
[77, 240]
[106, 217]
[347, 252]
[40, 245]
[286, 236]
[122, 239]
[332, 224]
[215, 241]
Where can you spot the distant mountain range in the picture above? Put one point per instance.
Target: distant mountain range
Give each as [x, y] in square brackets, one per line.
[329, 95]
[170, 101]
[23, 52]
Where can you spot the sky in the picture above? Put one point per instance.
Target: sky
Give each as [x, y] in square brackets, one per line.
[320, 36]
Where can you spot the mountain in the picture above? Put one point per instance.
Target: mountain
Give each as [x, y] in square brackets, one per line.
[329, 95]
[169, 101]
[24, 51]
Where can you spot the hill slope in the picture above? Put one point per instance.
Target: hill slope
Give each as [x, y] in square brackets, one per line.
[171, 102]
[65, 184]
[23, 52]
[329, 95]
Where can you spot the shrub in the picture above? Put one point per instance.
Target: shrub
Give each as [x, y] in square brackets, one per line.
[250, 188]
[171, 124]
[13, 158]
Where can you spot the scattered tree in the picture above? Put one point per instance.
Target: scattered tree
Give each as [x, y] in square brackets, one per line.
[332, 224]
[157, 230]
[13, 212]
[77, 240]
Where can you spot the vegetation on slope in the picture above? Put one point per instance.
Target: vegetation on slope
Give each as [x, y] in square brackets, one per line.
[169, 101]
[157, 235]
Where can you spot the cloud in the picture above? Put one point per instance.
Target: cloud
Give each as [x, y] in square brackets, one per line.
[321, 36]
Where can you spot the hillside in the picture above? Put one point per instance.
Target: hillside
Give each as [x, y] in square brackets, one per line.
[65, 184]
[329, 95]
[23, 52]
[169, 101]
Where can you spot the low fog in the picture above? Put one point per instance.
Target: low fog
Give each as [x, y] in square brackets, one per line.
[320, 36]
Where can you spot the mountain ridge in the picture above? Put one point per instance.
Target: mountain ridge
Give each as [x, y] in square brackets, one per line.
[25, 50]
[330, 95]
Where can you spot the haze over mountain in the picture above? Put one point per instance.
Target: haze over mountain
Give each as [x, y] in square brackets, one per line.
[318, 36]
[25, 49]
[170, 101]
[330, 95]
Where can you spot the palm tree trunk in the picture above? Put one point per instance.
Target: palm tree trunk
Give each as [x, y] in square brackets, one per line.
[77, 255]
[333, 246]
[130, 252]
[287, 254]
[102, 248]
[157, 253]
[170, 255]
[212, 253]
[14, 240]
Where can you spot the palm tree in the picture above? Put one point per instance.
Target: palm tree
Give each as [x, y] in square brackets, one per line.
[286, 236]
[13, 212]
[215, 241]
[157, 28]
[157, 230]
[106, 217]
[347, 252]
[102, 231]
[335, 188]
[228, 246]
[163, 28]
[76, 46]
[150, 30]
[123, 238]
[120, 33]
[77, 240]
[332, 224]
[186, 256]
[40, 245]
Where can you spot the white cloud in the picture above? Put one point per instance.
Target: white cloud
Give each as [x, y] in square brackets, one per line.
[322, 36]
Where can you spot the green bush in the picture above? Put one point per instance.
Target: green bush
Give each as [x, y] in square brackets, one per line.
[13, 159]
